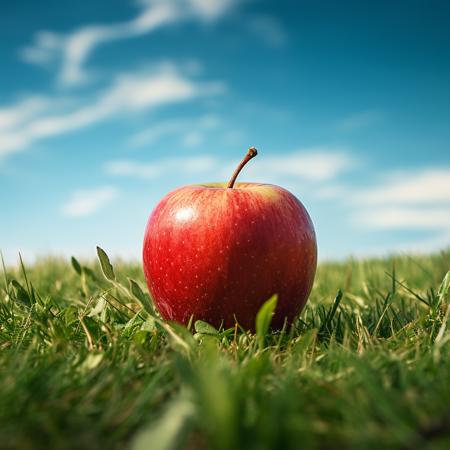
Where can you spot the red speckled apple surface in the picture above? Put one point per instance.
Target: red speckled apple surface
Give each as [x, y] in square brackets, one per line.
[217, 253]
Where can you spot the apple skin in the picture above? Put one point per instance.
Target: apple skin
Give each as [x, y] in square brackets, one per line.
[217, 254]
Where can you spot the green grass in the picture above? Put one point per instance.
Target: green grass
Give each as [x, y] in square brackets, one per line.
[85, 364]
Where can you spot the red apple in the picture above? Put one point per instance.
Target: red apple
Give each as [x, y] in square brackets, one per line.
[217, 252]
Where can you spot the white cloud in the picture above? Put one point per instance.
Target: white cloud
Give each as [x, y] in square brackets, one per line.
[174, 127]
[425, 186]
[73, 49]
[22, 111]
[87, 202]
[44, 48]
[359, 120]
[125, 167]
[415, 218]
[417, 200]
[268, 29]
[11, 143]
[128, 93]
[415, 187]
[192, 139]
[315, 164]
[212, 9]
[14, 118]
[149, 90]
[151, 170]
[332, 191]
[434, 220]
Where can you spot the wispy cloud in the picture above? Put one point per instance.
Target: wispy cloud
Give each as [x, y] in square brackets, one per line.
[357, 121]
[15, 118]
[86, 202]
[404, 218]
[313, 165]
[425, 186]
[151, 170]
[22, 111]
[416, 200]
[181, 127]
[269, 29]
[127, 93]
[73, 49]
[192, 139]
[434, 221]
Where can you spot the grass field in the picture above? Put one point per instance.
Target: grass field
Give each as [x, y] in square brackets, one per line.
[86, 364]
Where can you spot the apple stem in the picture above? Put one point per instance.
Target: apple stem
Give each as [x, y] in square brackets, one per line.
[252, 152]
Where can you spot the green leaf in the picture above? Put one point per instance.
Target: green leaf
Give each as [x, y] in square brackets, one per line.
[264, 318]
[301, 347]
[143, 298]
[99, 307]
[76, 265]
[180, 337]
[141, 337]
[327, 322]
[444, 289]
[21, 294]
[105, 264]
[91, 361]
[204, 327]
[170, 431]
[149, 324]
[90, 273]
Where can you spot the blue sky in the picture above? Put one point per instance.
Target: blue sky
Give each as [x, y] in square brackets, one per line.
[107, 105]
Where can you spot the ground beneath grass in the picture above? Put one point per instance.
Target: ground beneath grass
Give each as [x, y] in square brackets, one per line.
[86, 364]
